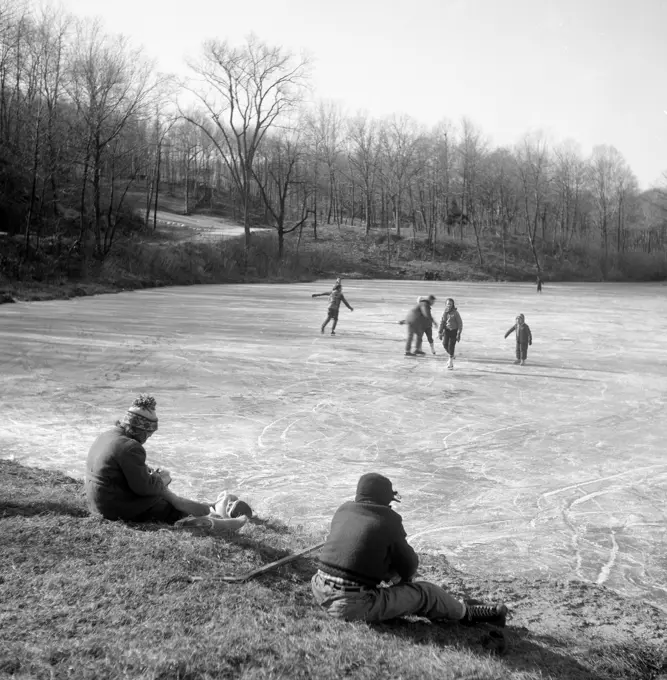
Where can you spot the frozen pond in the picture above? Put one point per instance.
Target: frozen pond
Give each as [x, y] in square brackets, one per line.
[557, 467]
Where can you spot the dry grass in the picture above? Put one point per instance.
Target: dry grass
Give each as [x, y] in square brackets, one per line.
[87, 598]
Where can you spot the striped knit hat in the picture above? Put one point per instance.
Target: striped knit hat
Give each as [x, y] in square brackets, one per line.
[141, 415]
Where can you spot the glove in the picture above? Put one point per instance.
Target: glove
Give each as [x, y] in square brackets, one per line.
[458, 338]
[439, 336]
[351, 309]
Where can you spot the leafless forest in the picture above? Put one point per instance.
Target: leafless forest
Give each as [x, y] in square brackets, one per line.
[92, 136]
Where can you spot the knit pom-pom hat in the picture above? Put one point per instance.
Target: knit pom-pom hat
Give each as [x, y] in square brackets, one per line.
[375, 488]
[141, 415]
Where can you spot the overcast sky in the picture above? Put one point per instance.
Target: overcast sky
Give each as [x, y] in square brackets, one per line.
[593, 71]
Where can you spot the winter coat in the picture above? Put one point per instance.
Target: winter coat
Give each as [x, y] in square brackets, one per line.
[419, 318]
[367, 543]
[335, 298]
[119, 484]
[523, 334]
[451, 320]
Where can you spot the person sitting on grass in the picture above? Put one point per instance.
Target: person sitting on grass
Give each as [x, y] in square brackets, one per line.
[120, 486]
[367, 567]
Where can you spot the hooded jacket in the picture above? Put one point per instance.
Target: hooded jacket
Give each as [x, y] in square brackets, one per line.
[523, 334]
[367, 542]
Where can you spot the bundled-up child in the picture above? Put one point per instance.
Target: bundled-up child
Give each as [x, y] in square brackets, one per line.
[450, 329]
[523, 338]
[335, 298]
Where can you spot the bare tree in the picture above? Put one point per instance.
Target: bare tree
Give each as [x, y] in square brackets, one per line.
[244, 92]
[364, 158]
[280, 175]
[110, 83]
[532, 159]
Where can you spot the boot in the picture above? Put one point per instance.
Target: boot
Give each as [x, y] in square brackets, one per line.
[494, 614]
[450, 363]
[432, 348]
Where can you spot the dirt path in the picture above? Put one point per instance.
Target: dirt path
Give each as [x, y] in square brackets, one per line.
[201, 227]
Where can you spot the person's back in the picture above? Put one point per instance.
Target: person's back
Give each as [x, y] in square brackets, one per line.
[367, 543]
[419, 317]
[118, 484]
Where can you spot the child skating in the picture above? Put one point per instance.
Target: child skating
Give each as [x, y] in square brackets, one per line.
[419, 321]
[450, 329]
[523, 338]
[335, 298]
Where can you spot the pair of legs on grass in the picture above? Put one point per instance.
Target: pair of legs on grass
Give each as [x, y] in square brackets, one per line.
[418, 333]
[419, 598]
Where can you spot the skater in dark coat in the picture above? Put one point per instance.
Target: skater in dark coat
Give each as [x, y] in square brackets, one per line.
[419, 321]
[367, 567]
[335, 298]
[539, 284]
[523, 338]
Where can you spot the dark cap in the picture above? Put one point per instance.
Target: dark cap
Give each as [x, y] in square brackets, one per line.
[375, 488]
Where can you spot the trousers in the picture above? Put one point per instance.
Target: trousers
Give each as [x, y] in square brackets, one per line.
[521, 350]
[449, 340]
[373, 605]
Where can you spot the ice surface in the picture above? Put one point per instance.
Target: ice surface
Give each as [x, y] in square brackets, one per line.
[557, 467]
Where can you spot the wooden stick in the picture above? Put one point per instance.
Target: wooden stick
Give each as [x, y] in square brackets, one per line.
[257, 572]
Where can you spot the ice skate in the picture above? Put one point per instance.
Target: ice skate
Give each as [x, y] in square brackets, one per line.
[494, 614]
[523, 362]
[420, 353]
[333, 332]
[517, 361]
[450, 363]
[409, 354]
[432, 349]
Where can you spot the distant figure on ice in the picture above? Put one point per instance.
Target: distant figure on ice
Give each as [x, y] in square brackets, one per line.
[368, 570]
[335, 298]
[450, 329]
[120, 486]
[539, 284]
[523, 338]
[419, 321]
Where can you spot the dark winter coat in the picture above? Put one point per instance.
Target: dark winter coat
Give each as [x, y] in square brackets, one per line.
[367, 543]
[119, 484]
[523, 334]
[419, 318]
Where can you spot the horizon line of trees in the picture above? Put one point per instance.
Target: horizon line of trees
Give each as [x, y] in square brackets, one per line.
[86, 122]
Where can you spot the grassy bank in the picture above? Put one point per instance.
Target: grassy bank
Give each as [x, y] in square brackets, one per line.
[87, 598]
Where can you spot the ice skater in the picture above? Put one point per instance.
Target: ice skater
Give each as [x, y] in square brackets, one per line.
[335, 298]
[419, 321]
[539, 284]
[450, 329]
[523, 338]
